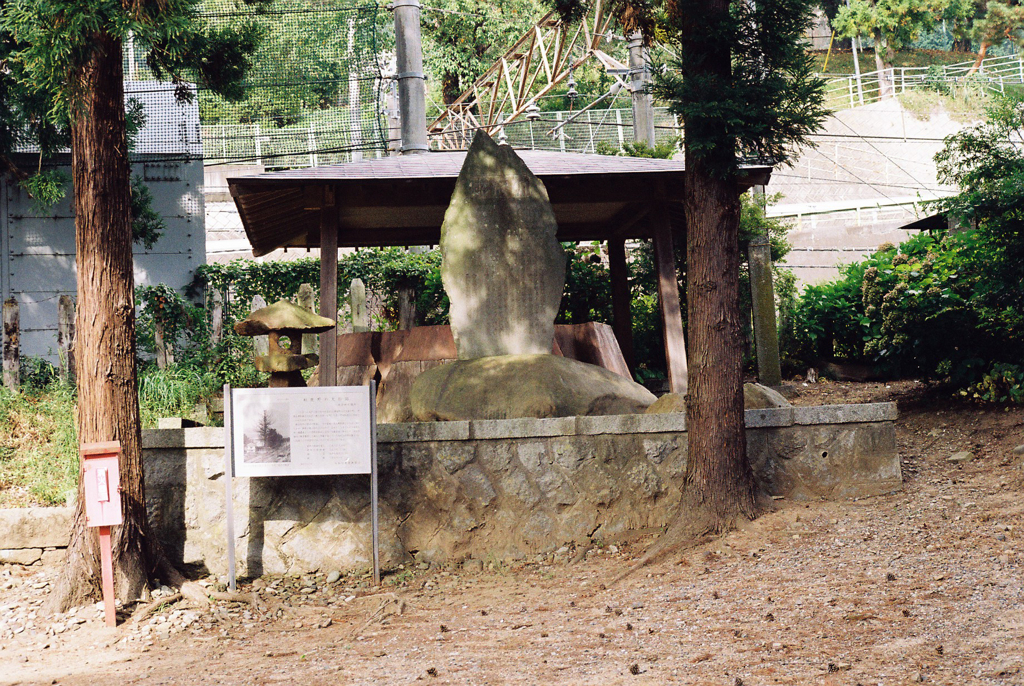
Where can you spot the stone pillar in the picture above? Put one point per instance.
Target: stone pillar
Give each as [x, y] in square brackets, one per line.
[12, 344]
[762, 297]
[217, 316]
[260, 344]
[310, 341]
[66, 338]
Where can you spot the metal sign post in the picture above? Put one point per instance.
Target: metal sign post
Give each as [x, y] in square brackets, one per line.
[373, 482]
[229, 473]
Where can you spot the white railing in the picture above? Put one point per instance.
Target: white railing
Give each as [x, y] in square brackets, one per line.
[849, 90]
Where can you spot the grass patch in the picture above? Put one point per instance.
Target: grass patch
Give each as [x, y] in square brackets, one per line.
[172, 392]
[38, 446]
[963, 104]
[841, 61]
[39, 436]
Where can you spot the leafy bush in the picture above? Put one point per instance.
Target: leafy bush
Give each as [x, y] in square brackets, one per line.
[931, 306]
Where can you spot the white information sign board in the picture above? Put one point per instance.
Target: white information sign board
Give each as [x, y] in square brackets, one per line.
[301, 431]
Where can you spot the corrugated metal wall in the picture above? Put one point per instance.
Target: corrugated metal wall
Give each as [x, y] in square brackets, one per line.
[38, 248]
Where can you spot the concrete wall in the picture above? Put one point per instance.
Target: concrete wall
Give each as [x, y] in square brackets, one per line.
[506, 488]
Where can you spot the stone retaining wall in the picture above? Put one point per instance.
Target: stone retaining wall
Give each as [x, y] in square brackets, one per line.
[34, 534]
[505, 488]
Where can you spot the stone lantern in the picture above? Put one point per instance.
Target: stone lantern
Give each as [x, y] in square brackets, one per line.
[284, 323]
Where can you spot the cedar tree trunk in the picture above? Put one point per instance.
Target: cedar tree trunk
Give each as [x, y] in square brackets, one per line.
[108, 406]
[719, 483]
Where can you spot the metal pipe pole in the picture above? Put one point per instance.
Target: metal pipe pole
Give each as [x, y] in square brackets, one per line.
[643, 105]
[412, 99]
[856, 65]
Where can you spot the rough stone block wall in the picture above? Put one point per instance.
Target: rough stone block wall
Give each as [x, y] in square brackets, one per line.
[501, 488]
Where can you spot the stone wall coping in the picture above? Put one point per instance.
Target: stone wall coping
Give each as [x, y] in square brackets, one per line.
[195, 437]
[213, 437]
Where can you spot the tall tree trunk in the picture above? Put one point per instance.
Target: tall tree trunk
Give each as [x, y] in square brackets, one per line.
[883, 63]
[719, 481]
[105, 354]
[982, 52]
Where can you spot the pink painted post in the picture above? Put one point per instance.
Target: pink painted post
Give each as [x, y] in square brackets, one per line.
[103, 508]
[107, 563]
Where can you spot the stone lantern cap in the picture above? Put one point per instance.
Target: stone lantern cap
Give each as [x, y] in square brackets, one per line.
[284, 320]
[282, 316]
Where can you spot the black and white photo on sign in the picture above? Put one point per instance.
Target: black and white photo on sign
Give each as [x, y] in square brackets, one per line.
[266, 432]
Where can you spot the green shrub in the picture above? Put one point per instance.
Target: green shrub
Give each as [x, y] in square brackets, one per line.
[931, 307]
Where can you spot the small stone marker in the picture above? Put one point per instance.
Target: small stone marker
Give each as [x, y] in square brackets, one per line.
[12, 346]
[357, 303]
[960, 457]
[260, 344]
[502, 267]
[66, 338]
[310, 341]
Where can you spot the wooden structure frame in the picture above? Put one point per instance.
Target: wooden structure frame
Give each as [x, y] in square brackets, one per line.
[402, 200]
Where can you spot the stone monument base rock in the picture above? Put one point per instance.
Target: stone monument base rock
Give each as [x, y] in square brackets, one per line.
[536, 385]
[755, 397]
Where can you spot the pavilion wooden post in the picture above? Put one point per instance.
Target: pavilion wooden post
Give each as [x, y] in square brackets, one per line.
[622, 317]
[668, 298]
[329, 286]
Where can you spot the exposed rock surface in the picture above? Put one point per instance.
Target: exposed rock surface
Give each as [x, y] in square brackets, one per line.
[502, 267]
[758, 397]
[755, 397]
[508, 386]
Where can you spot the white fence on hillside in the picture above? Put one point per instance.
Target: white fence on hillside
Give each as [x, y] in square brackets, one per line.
[994, 74]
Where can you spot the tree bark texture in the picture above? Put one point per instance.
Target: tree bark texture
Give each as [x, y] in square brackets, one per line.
[883, 63]
[105, 325]
[719, 481]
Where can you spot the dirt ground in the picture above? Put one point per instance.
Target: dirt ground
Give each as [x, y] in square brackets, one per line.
[923, 585]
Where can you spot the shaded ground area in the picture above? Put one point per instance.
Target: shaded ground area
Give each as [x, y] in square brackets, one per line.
[922, 585]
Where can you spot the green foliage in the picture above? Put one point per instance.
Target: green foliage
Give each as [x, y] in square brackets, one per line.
[662, 151]
[767, 103]
[46, 187]
[465, 37]
[987, 164]
[175, 391]
[1003, 383]
[36, 373]
[896, 23]
[945, 306]
[147, 225]
[930, 307]
[588, 293]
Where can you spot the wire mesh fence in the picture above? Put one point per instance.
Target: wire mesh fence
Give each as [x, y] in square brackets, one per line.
[311, 96]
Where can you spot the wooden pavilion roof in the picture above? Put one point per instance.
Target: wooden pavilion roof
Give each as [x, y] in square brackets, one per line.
[402, 200]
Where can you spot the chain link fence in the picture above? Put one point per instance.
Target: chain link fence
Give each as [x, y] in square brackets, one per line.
[311, 96]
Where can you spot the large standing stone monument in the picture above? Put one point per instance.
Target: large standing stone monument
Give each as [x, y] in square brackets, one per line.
[504, 272]
[502, 267]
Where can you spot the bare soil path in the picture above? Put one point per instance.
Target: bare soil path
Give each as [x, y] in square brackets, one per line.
[924, 585]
